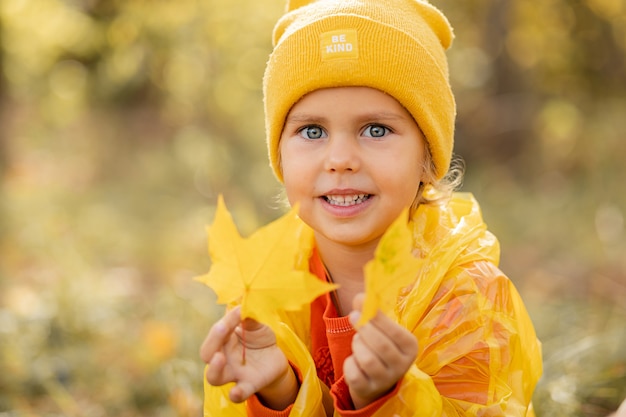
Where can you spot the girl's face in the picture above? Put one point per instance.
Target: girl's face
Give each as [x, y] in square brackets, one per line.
[353, 158]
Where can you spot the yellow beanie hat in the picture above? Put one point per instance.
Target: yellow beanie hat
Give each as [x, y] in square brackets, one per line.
[395, 46]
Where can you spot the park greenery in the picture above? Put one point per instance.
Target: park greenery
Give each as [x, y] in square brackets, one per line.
[121, 121]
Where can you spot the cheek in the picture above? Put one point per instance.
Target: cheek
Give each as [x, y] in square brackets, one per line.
[407, 180]
[284, 163]
[410, 190]
[295, 160]
[290, 173]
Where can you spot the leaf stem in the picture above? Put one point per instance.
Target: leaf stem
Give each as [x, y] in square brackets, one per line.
[243, 344]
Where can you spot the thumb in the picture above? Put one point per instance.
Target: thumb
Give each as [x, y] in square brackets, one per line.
[357, 306]
[357, 301]
[249, 324]
[241, 391]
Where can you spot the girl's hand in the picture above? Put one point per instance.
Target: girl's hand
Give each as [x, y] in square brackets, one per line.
[265, 370]
[382, 352]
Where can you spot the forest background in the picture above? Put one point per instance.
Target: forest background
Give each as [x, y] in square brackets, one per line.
[121, 121]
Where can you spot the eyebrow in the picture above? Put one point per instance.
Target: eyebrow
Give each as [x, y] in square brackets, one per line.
[374, 116]
[304, 118]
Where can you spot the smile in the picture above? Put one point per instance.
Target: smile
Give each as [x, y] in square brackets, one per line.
[346, 200]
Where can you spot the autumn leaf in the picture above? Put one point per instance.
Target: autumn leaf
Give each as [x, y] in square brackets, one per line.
[265, 273]
[393, 268]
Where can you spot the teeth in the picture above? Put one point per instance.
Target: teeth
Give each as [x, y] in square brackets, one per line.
[346, 200]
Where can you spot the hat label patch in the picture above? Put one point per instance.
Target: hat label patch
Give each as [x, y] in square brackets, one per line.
[339, 44]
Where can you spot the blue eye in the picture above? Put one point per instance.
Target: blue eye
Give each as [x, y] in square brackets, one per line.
[376, 131]
[312, 132]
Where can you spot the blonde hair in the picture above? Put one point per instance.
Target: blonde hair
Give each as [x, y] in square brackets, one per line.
[433, 190]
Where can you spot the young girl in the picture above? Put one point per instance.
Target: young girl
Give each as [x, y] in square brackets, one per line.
[360, 122]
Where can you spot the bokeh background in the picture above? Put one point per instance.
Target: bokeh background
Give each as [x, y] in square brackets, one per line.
[121, 121]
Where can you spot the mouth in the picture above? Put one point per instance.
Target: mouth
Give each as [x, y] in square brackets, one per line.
[346, 200]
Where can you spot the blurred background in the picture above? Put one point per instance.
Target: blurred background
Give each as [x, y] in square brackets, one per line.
[122, 120]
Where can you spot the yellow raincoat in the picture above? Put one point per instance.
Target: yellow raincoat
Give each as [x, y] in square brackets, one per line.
[478, 353]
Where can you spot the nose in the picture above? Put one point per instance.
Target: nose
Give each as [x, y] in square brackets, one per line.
[342, 154]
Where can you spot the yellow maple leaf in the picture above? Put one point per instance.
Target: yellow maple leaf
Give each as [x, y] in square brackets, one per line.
[393, 268]
[265, 273]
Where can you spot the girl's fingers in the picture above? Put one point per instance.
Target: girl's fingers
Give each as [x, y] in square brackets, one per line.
[249, 324]
[258, 336]
[217, 371]
[382, 334]
[218, 374]
[219, 334]
[242, 391]
[353, 374]
[382, 347]
[381, 330]
[372, 366]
